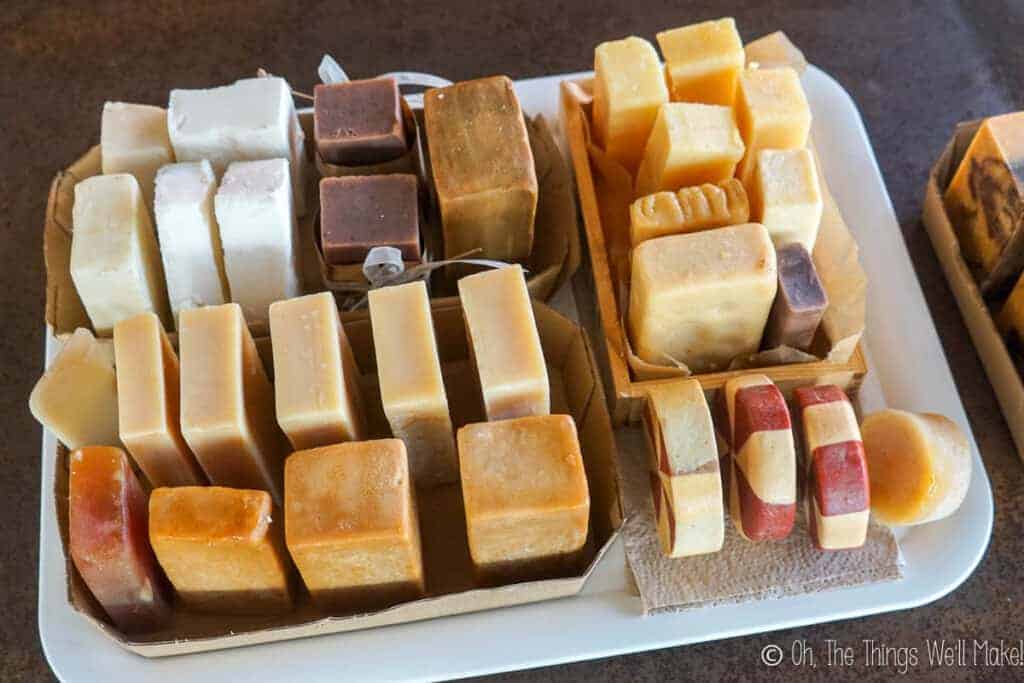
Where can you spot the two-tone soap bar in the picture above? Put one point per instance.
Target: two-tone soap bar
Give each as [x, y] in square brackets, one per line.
[772, 113]
[703, 61]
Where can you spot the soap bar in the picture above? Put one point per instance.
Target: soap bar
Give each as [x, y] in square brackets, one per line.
[190, 244]
[772, 113]
[221, 548]
[686, 484]
[359, 122]
[703, 61]
[133, 139]
[919, 465]
[259, 233]
[785, 196]
[689, 144]
[762, 482]
[1010, 319]
[702, 299]
[800, 302]
[838, 492]
[76, 398]
[351, 525]
[249, 120]
[316, 386]
[629, 87]
[115, 262]
[227, 402]
[691, 209]
[108, 539]
[411, 387]
[483, 168]
[526, 497]
[358, 213]
[504, 343]
[148, 394]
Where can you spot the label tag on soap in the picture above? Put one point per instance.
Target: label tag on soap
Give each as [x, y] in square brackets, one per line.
[330, 71]
[382, 265]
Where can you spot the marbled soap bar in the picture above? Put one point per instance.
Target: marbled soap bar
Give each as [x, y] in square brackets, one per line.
[800, 302]
[703, 61]
[133, 139]
[358, 213]
[691, 209]
[772, 113]
[359, 122]
[785, 196]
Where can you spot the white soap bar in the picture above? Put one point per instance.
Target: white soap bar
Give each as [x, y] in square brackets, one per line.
[189, 237]
[249, 120]
[258, 232]
[115, 262]
[133, 139]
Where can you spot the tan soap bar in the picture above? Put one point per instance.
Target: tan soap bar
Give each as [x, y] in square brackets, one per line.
[629, 87]
[148, 393]
[76, 398]
[689, 144]
[785, 196]
[702, 299]
[505, 344]
[351, 524]
[703, 61]
[483, 168]
[316, 380]
[772, 113]
[411, 387]
[526, 497]
[227, 401]
[134, 139]
[221, 548]
[691, 209]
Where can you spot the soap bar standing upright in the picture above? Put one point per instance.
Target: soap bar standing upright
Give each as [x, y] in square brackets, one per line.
[772, 113]
[360, 212]
[359, 122]
[785, 196]
[800, 302]
[133, 139]
[703, 61]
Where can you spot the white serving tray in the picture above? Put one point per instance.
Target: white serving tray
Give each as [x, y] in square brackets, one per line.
[907, 370]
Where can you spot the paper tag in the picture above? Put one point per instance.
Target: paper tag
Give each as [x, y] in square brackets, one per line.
[382, 265]
[330, 71]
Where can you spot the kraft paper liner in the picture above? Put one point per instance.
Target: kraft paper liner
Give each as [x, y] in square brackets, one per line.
[409, 162]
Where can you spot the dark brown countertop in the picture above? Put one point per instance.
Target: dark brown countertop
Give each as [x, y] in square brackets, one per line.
[914, 69]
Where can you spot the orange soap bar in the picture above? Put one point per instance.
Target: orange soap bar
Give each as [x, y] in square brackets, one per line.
[108, 540]
[221, 549]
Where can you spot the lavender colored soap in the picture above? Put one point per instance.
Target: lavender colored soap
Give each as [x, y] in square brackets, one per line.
[800, 302]
[358, 213]
[359, 122]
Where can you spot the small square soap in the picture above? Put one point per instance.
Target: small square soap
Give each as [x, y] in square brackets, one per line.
[785, 196]
[772, 113]
[359, 122]
[360, 212]
[133, 139]
[800, 303]
[703, 61]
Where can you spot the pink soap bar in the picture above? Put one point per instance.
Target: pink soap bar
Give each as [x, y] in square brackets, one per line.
[108, 521]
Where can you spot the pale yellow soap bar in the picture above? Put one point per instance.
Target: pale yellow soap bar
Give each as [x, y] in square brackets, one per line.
[691, 209]
[629, 87]
[411, 387]
[76, 398]
[689, 144]
[785, 196]
[772, 113]
[134, 139]
[148, 395]
[227, 401]
[316, 380]
[505, 344]
[703, 61]
[702, 299]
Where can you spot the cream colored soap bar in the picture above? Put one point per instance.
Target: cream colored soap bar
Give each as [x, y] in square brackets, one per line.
[629, 87]
[411, 386]
[772, 113]
[76, 398]
[133, 139]
[691, 209]
[702, 299]
[690, 144]
[785, 196]
[227, 402]
[115, 261]
[505, 344]
[703, 61]
[316, 387]
[351, 525]
[148, 394]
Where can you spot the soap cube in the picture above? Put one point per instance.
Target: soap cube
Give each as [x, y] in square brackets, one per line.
[689, 144]
[800, 302]
[358, 213]
[76, 398]
[359, 122]
[115, 261]
[260, 236]
[984, 202]
[703, 61]
[526, 497]
[483, 168]
[148, 393]
[785, 196]
[351, 524]
[227, 401]
[316, 380]
[629, 87]
[772, 113]
[221, 548]
[703, 298]
[411, 387]
[691, 209]
[133, 139]
[504, 343]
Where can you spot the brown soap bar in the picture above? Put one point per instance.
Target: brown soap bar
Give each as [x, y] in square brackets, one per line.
[800, 302]
[359, 122]
[358, 213]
